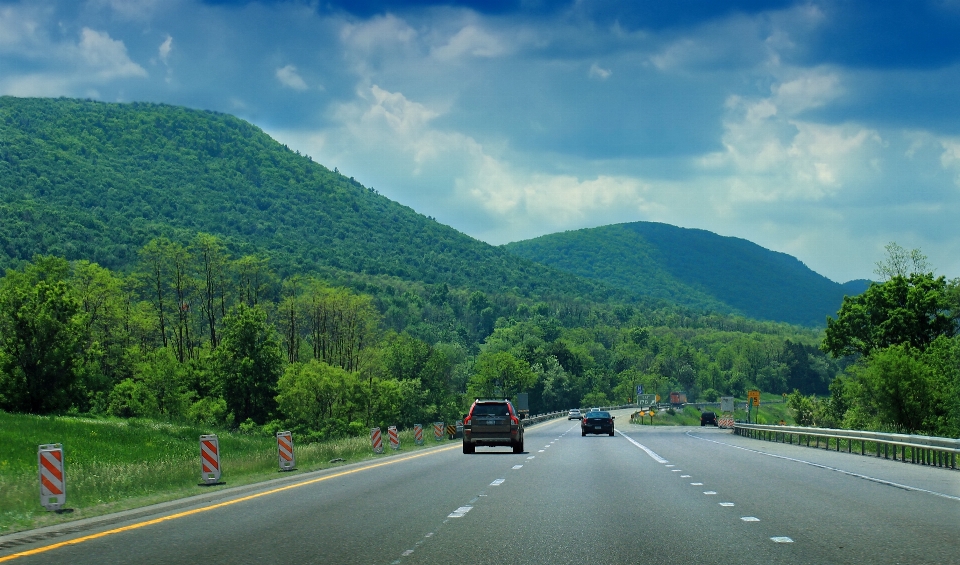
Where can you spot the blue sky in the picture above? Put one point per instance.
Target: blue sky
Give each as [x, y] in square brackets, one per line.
[823, 129]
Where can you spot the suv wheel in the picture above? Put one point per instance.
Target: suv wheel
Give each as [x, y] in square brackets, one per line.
[469, 447]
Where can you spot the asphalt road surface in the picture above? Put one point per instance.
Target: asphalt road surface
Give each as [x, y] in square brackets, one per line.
[647, 495]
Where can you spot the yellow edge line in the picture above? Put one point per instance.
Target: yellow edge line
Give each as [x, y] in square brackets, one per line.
[211, 507]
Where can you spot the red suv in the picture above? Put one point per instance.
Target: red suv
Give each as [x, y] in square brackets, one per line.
[492, 422]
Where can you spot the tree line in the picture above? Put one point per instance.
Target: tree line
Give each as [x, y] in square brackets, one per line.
[192, 333]
[901, 339]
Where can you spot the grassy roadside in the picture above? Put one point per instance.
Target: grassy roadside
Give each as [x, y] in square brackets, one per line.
[114, 465]
[769, 413]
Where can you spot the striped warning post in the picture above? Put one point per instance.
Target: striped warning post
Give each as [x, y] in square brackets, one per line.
[452, 430]
[438, 431]
[418, 434]
[209, 459]
[725, 422]
[53, 485]
[376, 440]
[285, 451]
[394, 437]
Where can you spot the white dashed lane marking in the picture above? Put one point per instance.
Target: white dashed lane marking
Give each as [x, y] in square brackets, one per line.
[460, 512]
[710, 492]
[750, 519]
[728, 504]
[697, 484]
[517, 467]
[782, 539]
[497, 482]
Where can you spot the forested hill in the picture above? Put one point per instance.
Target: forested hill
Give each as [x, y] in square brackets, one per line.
[696, 268]
[97, 181]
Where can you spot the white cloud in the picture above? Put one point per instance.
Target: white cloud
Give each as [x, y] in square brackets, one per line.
[470, 40]
[596, 71]
[771, 155]
[165, 48]
[950, 158]
[17, 27]
[288, 77]
[107, 57]
[377, 33]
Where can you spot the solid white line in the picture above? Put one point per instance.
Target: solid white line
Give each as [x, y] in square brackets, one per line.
[829, 468]
[649, 451]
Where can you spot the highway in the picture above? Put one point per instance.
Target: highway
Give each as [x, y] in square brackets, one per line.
[647, 495]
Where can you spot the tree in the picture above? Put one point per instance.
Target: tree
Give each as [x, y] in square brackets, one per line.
[912, 310]
[500, 375]
[42, 329]
[901, 263]
[249, 361]
[314, 391]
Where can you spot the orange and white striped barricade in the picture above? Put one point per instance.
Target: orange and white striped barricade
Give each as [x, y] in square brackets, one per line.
[725, 422]
[394, 437]
[418, 434]
[53, 484]
[438, 431]
[376, 440]
[285, 451]
[209, 459]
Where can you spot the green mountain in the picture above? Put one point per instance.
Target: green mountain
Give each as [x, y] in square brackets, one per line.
[97, 181]
[695, 268]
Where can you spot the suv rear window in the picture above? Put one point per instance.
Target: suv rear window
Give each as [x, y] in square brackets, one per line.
[497, 409]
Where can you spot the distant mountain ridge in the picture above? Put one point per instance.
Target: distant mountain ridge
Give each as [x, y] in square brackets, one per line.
[696, 268]
[97, 181]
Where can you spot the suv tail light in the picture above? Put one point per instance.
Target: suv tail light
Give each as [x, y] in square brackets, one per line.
[514, 420]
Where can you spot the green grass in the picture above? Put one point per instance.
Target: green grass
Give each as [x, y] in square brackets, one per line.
[769, 413]
[113, 465]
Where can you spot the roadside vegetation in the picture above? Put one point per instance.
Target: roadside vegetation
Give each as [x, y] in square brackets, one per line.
[901, 335]
[117, 464]
[773, 410]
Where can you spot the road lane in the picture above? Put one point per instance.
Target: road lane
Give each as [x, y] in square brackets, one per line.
[572, 499]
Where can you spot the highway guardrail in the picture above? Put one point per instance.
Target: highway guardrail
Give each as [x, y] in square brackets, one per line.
[921, 450]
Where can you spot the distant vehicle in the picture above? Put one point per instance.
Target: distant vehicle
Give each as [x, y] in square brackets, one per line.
[596, 422]
[708, 418]
[574, 414]
[678, 398]
[492, 423]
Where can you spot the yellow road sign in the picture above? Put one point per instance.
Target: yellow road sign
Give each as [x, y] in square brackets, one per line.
[754, 397]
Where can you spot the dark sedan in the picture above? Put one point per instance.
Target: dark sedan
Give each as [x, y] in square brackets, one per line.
[596, 422]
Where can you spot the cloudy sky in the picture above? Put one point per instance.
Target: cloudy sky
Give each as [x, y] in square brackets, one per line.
[823, 129]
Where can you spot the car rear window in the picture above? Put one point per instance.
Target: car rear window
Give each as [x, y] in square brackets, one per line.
[595, 414]
[490, 410]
